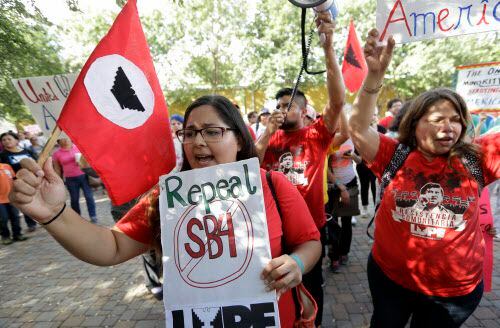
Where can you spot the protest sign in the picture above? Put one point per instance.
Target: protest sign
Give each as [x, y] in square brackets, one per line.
[486, 222]
[411, 20]
[45, 97]
[215, 245]
[479, 85]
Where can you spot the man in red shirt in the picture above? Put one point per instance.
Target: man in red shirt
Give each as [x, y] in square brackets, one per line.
[298, 151]
[393, 108]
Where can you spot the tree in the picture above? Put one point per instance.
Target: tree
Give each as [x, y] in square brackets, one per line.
[210, 46]
[26, 49]
[204, 46]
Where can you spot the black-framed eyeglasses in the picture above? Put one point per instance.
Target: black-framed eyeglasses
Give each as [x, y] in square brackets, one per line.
[211, 134]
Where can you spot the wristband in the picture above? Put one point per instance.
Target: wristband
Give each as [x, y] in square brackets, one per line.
[299, 262]
[55, 217]
[373, 91]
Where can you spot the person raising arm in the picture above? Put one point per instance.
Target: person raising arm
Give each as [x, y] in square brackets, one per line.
[335, 88]
[365, 138]
[428, 206]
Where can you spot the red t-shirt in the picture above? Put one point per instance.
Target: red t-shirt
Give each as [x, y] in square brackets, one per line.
[427, 236]
[386, 121]
[296, 223]
[300, 155]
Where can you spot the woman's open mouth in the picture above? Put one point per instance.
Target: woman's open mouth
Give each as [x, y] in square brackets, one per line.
[204, 159]
[446, 141]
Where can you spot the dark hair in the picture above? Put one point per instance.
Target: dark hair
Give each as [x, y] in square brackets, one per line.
[284, 155]
[249, 115]
[288, 92]
[399, 117]
[431, 185]
[9, 133]
[230, 115]
[391, 102]
[419, 107]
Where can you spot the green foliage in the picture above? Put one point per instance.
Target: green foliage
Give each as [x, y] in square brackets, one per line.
[429, 64]
[202, 46]
[26, 49]
[213, 45]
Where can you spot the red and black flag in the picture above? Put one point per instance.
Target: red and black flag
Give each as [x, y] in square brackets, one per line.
[354, 69]
[116, 112]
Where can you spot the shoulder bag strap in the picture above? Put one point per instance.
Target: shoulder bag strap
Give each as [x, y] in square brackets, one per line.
[273, 191]
[283, 241]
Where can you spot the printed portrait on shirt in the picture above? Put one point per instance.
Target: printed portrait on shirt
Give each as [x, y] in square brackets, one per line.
[430, 212]
[292, 169]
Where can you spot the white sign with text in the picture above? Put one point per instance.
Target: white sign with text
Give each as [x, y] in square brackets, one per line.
[215, 245]
[479, 85]
[414, 20]
[45, 97]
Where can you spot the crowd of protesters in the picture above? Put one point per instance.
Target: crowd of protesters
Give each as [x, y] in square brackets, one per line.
[427, 160]
[67, 163]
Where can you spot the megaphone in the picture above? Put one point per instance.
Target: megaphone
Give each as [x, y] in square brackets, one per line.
[319, 6]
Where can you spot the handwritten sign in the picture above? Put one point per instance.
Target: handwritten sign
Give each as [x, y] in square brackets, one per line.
[479, 85]
[215, 246]
[45, 97]
[412, 20]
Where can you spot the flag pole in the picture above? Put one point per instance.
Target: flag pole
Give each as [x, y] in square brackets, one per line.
[49, 145]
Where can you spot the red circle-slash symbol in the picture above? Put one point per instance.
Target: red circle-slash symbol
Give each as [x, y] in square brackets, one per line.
[194, 244]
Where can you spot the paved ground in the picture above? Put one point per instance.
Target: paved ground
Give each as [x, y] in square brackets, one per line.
[41, 285]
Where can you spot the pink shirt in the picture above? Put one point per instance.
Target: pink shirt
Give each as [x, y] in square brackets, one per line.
[66, 159]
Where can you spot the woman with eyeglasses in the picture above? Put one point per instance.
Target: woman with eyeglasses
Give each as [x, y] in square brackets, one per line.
[213, 133]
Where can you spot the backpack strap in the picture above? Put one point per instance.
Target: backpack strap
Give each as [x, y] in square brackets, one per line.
[472, 164]
[397, 160]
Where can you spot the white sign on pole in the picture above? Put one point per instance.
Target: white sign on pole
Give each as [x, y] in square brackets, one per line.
[45, 97]
[414, 20]
[479, 85]
[215, 245]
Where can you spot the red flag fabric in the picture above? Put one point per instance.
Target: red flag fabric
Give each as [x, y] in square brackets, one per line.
[354, 69]
[116, 112]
